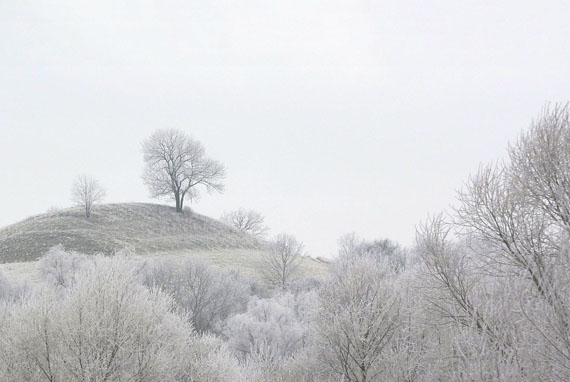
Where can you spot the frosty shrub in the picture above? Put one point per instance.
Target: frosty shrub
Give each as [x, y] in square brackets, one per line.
[270, 328]
[300, 367]
[383, 250]
[58, 267]
[208, 359]
[12, 290]
[106, 327]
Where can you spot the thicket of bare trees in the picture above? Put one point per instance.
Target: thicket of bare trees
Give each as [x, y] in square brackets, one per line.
[207, 296]
[106, 327]
[87, 191]
[176, 165]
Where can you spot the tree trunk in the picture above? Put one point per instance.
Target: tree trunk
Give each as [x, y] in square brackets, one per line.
[178, 204]
[182, 195]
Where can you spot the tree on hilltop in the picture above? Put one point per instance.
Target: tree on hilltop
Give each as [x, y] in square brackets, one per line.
[87, 191]
[176, 165]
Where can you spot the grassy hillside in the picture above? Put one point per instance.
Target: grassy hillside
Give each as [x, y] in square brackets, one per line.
[148, 229]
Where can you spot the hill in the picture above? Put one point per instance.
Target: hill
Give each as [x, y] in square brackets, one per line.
[145, 228]
[148, 229]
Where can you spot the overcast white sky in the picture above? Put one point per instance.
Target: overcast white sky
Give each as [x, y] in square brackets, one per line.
[331, 116]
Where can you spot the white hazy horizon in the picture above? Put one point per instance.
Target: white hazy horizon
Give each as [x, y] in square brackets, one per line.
[330, 116]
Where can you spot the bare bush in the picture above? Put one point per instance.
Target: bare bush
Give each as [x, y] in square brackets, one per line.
[248, 221]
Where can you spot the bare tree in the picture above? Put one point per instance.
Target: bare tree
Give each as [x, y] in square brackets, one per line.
[502, 283]
[175, 165]
[358, 315]
[349, 244]
[107, 327]
[282, 263]
[86, 191]
[248, 221]
[541, 163]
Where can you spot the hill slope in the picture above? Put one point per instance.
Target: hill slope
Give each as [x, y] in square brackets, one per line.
[149, 229]
[146, 228]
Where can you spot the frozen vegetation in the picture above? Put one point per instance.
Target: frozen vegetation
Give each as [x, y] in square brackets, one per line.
[483, 296]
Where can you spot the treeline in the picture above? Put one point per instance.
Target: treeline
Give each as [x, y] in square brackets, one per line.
[124, 318]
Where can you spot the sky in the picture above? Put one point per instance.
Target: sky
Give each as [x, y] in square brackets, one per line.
[330, 116]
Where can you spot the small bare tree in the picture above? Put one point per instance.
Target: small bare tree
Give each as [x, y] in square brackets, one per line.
[248, 221]
[86, 191]
[175, 165]
[282, 263]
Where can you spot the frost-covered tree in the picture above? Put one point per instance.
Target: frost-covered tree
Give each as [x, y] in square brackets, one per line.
[498, 268]
[248, 221]
[271, 328]
[282, 262]
[358, 317]
[107, 327]
[85, 192]
[176, 165]
[472, 304]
